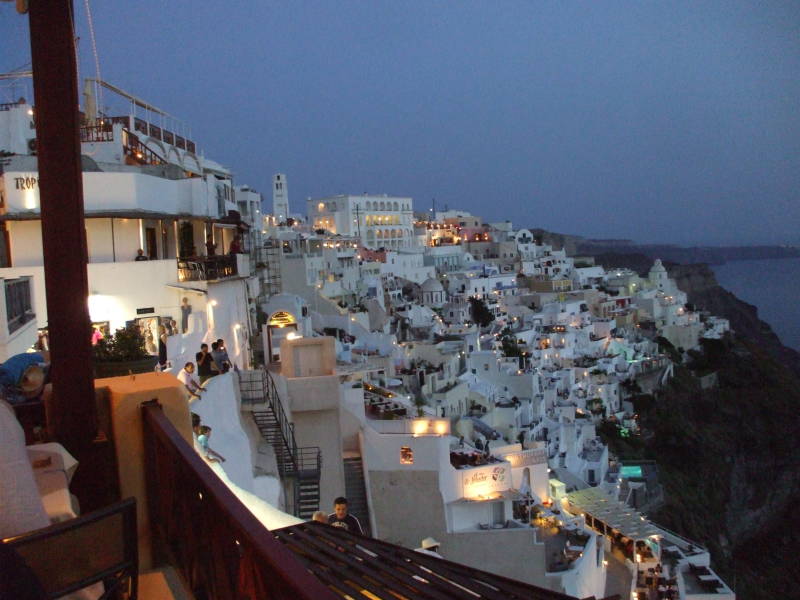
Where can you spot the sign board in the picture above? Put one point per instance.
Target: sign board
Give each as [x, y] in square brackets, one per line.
[526, 458]
[22, 191]
[481, 481]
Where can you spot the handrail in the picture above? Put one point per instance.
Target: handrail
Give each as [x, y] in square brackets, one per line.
[680, 537]
[221, 549]
[138, 151]
[287, 428]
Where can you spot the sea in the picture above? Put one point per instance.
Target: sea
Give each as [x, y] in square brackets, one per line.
[773, 285]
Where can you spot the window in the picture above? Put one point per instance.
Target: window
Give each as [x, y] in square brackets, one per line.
[406, 455]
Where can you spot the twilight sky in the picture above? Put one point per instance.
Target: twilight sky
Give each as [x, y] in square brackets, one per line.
[665, 122]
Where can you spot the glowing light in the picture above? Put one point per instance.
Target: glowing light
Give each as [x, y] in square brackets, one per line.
[30, 199]
[213, 302]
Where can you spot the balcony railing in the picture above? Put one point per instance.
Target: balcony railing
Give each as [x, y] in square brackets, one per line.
[19, 309]
[220, 548]
[207, 268]
[98, 133]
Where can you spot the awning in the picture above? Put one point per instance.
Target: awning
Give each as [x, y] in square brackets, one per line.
[187, 288]
[615, 514]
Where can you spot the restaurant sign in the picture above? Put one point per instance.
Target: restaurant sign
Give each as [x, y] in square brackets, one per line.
[483, 480]
[527, 458]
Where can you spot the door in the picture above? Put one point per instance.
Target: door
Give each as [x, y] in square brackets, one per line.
[151, 243]
[186, 240]
[498, 513]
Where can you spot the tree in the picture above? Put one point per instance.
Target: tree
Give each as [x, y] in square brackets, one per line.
[479, 312]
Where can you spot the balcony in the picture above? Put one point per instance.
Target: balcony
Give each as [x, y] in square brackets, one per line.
[213, 268]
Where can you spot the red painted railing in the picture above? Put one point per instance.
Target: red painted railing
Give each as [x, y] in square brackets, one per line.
[221, 549]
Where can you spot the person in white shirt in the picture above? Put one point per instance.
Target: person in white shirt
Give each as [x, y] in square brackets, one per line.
[188, 379]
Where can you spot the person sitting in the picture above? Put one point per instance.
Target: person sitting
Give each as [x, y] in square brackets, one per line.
[140, 255]
[23, 377]
[320, 517]
[187, 378]
[202, 441]
[236, 246]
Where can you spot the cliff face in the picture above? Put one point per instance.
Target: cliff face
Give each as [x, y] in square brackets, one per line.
[702, 289]
[729, 458]
[730, 464]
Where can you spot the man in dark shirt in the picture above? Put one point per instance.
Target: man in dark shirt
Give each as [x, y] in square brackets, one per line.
[205, 364]
[140, 255]
[340, 518]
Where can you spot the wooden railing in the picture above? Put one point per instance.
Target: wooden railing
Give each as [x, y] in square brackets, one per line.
[222, 551]
[207, 268]
[97, 133]
[140, 153]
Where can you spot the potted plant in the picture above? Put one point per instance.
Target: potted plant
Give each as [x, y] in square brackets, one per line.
[122, 354]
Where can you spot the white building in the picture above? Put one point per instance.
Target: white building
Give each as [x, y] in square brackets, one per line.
[144, 188]
[280, 198]
[378, 221]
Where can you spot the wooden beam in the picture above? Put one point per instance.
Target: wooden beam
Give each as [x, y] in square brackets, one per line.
[55, 84]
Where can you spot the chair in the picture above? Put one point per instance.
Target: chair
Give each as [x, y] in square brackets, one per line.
[98, 547]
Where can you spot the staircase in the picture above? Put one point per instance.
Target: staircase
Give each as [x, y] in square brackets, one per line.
[306, 483]
[356, 492]
[300, 465]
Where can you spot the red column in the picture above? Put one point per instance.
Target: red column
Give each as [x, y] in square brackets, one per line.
[63, 233]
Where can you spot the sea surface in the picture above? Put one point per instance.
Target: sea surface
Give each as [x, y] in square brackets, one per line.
[773, 285]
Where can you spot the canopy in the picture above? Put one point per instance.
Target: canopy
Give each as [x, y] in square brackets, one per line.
[617, 515]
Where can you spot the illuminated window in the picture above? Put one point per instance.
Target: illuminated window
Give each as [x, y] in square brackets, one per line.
[406, 455]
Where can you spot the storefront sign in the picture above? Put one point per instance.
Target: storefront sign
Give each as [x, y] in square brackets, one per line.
[25, 183]
[484, 480]
[527, 458]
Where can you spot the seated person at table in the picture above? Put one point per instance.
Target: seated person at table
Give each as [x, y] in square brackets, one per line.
[23, 377]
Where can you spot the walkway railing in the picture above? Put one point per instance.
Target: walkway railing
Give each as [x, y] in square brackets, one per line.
[221, 549]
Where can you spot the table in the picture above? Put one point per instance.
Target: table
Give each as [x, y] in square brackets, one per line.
[708, 578]
[54, 490]
[52, 457]
[53, 468]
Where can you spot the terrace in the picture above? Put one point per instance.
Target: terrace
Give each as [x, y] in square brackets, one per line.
[702, 581]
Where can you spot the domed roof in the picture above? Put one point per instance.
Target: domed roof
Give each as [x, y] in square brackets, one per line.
[658, 267]
[432, 285]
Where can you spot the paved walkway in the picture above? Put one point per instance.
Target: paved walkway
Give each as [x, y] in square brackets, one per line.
[618, 577]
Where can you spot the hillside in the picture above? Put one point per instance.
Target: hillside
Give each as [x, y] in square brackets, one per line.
[728, 457]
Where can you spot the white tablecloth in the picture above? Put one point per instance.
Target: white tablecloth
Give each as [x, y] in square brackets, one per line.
[52, 457]
[54, 490]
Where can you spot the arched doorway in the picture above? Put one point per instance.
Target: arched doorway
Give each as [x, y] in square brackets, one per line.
[279, 327]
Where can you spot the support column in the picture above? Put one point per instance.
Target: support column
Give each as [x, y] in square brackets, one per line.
[73, 418]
